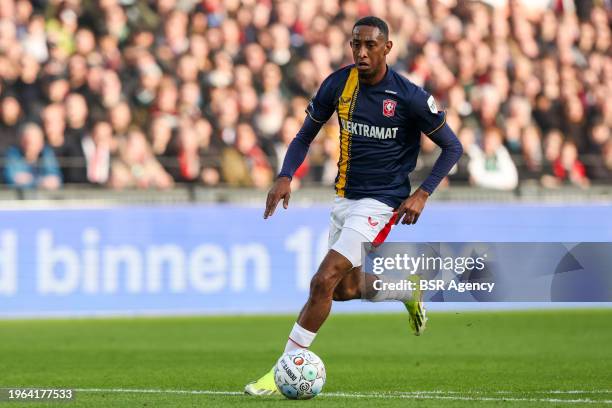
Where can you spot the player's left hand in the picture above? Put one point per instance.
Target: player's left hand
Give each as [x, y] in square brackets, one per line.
[410, 209]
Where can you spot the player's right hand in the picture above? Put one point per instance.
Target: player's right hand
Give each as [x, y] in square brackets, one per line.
[412, 207]
[281, 190]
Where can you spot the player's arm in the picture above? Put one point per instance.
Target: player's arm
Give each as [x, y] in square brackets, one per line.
[296, 153]
[432, 122]
[452, 150]
[319, 110]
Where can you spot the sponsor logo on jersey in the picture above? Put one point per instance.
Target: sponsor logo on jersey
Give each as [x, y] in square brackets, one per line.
[361, 129]
[431, 102]
[389, 107]
[371, 222]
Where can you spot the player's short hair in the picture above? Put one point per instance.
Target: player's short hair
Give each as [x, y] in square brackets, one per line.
[373, 21]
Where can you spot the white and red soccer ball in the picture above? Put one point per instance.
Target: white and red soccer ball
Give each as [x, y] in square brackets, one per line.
[299, 374]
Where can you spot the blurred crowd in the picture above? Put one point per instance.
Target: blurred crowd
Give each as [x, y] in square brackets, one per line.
[150, 93]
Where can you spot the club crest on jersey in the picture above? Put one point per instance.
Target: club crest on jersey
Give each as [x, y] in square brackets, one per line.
[389, 107]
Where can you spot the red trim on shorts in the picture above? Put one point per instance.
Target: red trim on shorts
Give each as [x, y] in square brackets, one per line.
[382, 235]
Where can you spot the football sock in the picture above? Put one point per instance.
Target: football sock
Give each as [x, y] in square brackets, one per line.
[384, 293]
[299, 338]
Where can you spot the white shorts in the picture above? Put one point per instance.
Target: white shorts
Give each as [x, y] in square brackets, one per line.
[354, 222]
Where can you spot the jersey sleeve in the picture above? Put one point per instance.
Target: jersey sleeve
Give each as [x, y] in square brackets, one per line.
[425, 112]
[322, 106]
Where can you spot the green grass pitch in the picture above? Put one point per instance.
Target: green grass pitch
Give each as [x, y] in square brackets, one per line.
[479, 359]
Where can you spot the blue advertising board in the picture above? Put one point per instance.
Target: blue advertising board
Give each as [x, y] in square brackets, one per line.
[223, 258]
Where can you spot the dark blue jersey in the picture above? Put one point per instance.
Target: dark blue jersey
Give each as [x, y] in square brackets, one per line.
[380, 131]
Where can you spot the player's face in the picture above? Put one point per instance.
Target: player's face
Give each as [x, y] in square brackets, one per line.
[369, 50]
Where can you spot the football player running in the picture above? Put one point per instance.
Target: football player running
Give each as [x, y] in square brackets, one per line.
[382, 115]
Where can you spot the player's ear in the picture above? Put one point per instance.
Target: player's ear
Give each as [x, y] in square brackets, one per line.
[388, 46]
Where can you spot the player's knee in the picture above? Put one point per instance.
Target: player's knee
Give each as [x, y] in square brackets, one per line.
[321, 285]
[328, 276]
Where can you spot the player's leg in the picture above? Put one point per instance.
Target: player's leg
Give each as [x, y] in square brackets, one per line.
[350, 286]
[334, 267]
[374, 220]
[344, 254]
[353, 285]
[356, 282]
[331, 271]
[315, 310]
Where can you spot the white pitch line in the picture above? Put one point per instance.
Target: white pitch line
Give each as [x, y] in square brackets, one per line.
[390, 395]
[507, 392]
[460, 398]
[152, 391]
[575, 392]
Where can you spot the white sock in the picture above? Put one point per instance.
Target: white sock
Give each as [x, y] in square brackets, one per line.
[385, 293]
[299, 338]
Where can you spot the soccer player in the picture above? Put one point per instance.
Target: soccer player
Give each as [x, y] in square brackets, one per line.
[382, 115]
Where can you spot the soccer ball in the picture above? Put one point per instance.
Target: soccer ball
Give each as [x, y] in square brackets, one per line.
[299, 374]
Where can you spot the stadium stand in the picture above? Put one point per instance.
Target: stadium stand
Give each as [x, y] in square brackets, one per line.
[150, 94]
